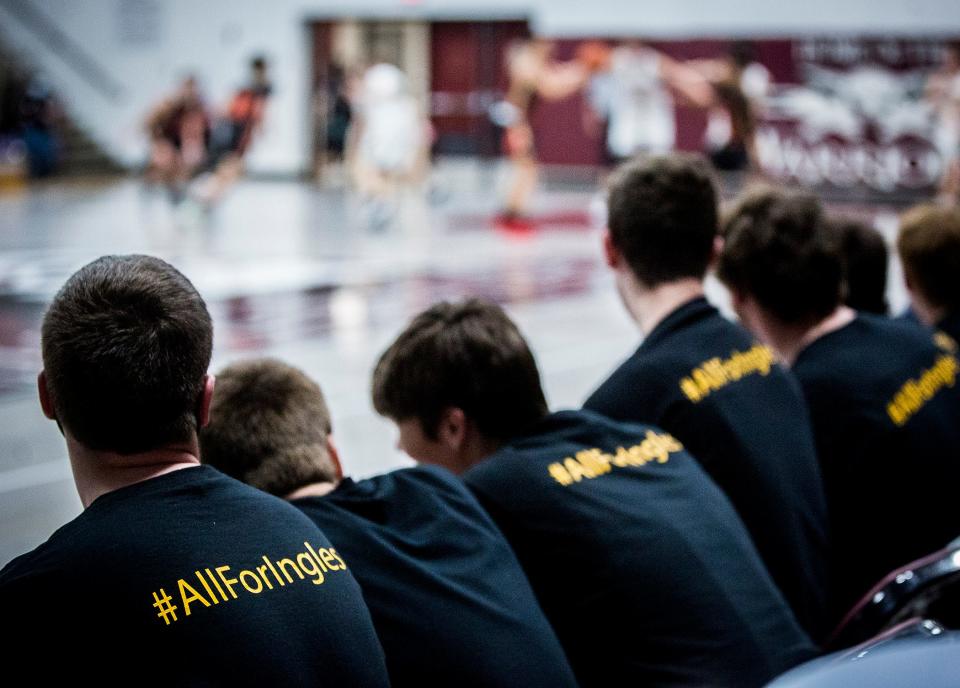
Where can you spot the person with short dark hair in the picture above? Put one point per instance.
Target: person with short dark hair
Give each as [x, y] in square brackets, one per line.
[864, 257]
[881, 393]
[448, 598]
[929, 246]
[707, 381]
[637, 558]
[174, 573]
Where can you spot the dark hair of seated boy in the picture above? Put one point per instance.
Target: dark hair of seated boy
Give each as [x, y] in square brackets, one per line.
[639, 561]
[448, 598]
[864, 257]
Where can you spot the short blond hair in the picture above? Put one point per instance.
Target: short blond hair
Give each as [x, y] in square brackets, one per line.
[929, 246]
[269, 425]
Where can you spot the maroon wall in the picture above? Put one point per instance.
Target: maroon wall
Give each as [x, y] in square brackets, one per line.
[467, 76]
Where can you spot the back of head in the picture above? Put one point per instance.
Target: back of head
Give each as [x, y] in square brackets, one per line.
[864, 255]
[662, 215]
[781, 251]
[126, 345]
[467, 355]
[929, 246]
[268, 427]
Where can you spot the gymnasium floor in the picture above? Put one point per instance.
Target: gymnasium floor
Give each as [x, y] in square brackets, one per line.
[321, 280]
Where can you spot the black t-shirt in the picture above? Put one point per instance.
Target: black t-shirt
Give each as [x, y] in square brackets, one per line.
[886, 417]
[743, 417]
[189, 578]
[639, 561]
[448, 598]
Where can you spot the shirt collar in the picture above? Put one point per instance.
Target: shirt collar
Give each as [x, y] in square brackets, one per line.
[691, 311]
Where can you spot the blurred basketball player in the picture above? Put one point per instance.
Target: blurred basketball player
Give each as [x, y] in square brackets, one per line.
[179, 131]
[390, 133]
[234, 133]
[943, 91]
[636, 94]
[740, 85]
[533, 74]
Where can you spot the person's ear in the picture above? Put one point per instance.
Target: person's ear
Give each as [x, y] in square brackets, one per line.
[751, 314]
[718, 243]
[452, 430]
[738, 301]
[611, 254]
[46, 401]
[334, 458]
[204, 401]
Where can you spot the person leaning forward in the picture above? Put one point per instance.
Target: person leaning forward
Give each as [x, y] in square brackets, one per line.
[449, 600]
[638, 560]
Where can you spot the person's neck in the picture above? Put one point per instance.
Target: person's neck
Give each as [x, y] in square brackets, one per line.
[927, 312]
[789, 341]
[98, 472]
[318, 489]
[649, 306]
[475, 449]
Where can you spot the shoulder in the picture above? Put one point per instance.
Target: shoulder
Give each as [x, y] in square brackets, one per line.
[432, 477]
[232, 506]
[566, 434]
[18, 570]
[867, 339]
[591, 455]
[444, 498]
[866, 326]
[705, 334]
[436, 485]
[637, 378]
[715, 335]
[218, 488]
[30, 584]
[422, 488]
[872, 356]
[903, 327]
[57, 555]
[598, 428]
[422, 479]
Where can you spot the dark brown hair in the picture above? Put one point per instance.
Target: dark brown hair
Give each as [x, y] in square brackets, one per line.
[662, 215]
[268, 427]
[126, 344]
[929, 246]
[781, 250]
[467, 355]
[864, 255]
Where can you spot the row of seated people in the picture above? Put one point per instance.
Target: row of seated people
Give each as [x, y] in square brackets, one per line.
[708, 517]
